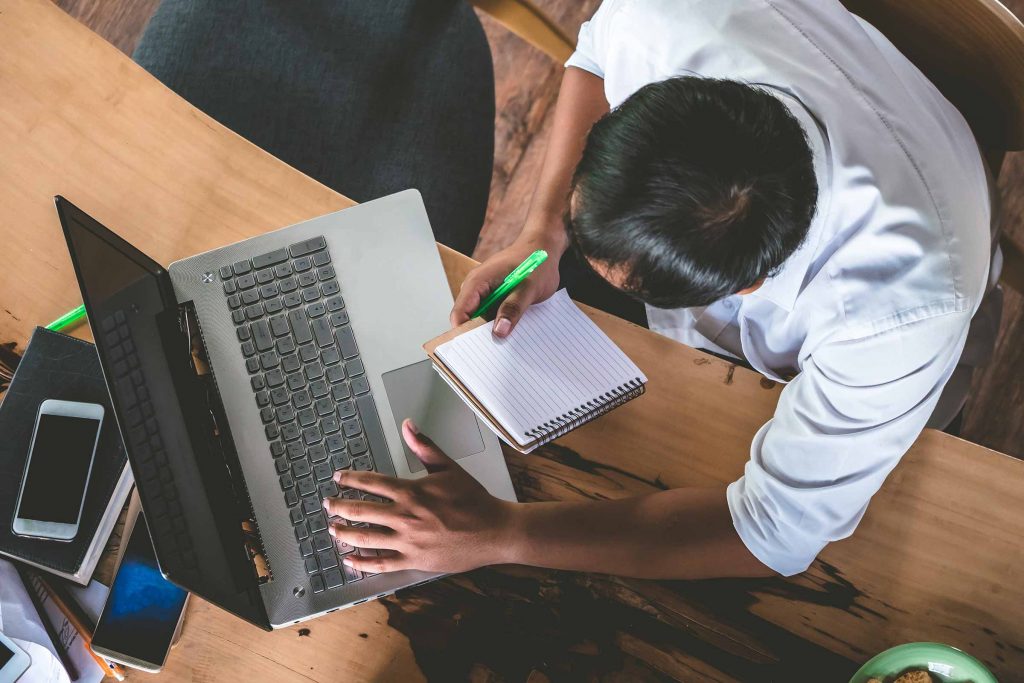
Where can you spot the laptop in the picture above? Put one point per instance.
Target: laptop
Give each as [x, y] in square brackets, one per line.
[243, 378]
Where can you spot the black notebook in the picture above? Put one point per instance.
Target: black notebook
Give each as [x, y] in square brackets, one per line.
[60, 367]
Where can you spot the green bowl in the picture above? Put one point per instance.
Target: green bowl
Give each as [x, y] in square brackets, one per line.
[944, 663]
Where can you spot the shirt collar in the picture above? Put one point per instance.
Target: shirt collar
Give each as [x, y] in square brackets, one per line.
[783, 288]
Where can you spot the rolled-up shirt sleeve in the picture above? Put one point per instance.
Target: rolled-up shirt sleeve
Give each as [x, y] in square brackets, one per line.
[839, 428]
[591, 43]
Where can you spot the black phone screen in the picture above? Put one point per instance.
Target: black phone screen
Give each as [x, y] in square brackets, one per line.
[57, 469]
[143, 608]
[5, 655]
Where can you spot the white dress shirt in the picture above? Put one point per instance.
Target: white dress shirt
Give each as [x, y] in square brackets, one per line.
[868, 320]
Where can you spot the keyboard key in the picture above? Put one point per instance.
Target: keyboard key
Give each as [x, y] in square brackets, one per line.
[302, 264]
[324, 273]
[351, 428]
[314, 370]
[311, 566]
[279, 325]
[306, 548]
[269, 360]
[327, 558]
[285, 414]
[315, 310]
[288, 285]
[283, 270]
[329, 424]
[246, 282]
[292, 300]
[346, 342]
[243, 333]
[273, 306]
[285, 346]
[311, 435]
[322, 258]
[356, 446]
[289, 363]
[324, 406]
[264, 276]
[296, 381]
[307, 417]
[333, 578]
[350, 573]
[339, 318]
[323, 471]
[307, 279]
[291, 498]
[238, 317]
[301, 532]
[250, 297]
[234, 301]
[317, 522]
[330, 288]
[360, 386]
[230, 287]
[262, 398]
[295, 450]
[300, 468]
[335, 443]
[339, 391]
[307, 246]
[295, 514]
[275, 378]
[287, 481]
[322, 541]
[290, 432]
[272, 431]
[261, 335]
[346, 410]
[301, 399]
[270, 258]
[317, 453]
[306, 486]
[281, 465]
[328, 489]
[335, 303]
[225, 273]
[300, 327]
[248, 349]
[362, 464]
[311, 505]
[319, 388]
[267, 415]
[316, 582]
[269, 291]
[322, 332]
[310, 294]
[252, 365]
[330, 355]
[354, 367]
[241, 267]
[279, 396]
[341, 461]
[254, 312]
[277, 449]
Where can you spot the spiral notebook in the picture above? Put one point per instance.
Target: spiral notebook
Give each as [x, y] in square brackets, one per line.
[555, 372]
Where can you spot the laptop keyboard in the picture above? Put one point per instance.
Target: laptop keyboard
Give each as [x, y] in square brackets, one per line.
[311, 390]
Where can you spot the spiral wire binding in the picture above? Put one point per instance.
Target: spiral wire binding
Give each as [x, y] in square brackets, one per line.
[592, 409]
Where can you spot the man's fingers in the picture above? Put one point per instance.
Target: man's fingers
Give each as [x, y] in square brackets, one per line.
[371, 482]
[361, 511]
[363, 537]
[432, 457]
[470, 295]
[513, 307]
[389, 561]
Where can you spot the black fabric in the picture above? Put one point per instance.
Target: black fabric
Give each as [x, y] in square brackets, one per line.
[59, 367]
[367, 97]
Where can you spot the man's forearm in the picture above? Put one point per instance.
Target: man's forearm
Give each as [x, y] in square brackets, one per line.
[581, 102]
[677, 534]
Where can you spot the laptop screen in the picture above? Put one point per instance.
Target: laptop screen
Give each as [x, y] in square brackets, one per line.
[186, 494]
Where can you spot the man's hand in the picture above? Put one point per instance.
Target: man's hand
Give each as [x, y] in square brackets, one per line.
[483, 279]
[444, 522]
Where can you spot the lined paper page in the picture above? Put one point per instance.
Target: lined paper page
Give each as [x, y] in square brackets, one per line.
[555, 361]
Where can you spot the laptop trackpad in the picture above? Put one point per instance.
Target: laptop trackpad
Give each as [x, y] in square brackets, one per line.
[416, 391]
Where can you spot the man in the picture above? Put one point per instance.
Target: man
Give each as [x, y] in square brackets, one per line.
[777, 184]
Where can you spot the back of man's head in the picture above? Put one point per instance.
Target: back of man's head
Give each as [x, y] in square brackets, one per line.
[694, 189]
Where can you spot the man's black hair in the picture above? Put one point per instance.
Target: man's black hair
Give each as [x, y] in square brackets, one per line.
[695, 188]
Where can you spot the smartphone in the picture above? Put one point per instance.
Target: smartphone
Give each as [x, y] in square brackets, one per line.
[144, 611]
[13, 660]
[57, 470]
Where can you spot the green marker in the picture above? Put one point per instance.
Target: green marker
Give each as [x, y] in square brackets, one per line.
[70, 319]
[513, 280]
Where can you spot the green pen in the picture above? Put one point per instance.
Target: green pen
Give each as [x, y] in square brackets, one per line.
[72, 318]
[513, 280]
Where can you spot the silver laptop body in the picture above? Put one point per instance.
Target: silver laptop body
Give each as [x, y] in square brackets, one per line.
[395, 297]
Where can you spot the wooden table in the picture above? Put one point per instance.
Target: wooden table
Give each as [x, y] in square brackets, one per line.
[937, 556]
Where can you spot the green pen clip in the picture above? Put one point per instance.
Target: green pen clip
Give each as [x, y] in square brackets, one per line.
[513, 280]
[72, 318]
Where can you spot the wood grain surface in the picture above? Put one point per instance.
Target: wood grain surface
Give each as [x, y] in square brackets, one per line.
[936, 557]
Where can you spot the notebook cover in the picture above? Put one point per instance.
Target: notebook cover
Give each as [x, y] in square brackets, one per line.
[60, 367]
